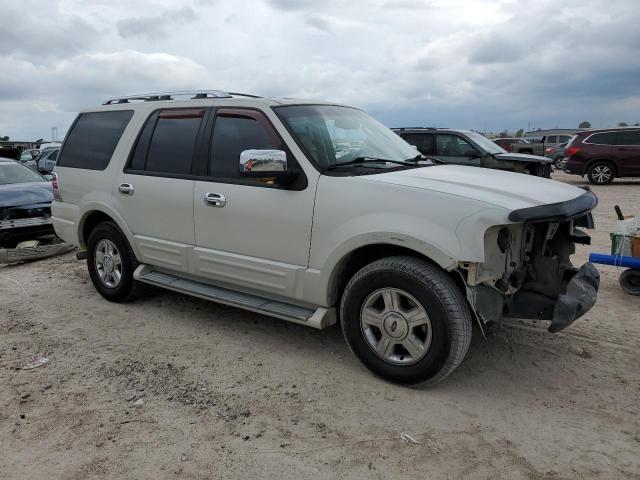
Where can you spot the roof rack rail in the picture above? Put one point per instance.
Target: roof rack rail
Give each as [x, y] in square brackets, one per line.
[193, 95]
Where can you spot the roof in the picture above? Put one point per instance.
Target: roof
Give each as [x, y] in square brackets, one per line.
[612, 129]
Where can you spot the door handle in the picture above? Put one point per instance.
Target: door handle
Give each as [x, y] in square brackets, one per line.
[215, 200]
[126, 189]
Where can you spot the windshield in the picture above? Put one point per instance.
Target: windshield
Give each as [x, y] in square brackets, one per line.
[16, 173]
[484, 143]
[333, 135]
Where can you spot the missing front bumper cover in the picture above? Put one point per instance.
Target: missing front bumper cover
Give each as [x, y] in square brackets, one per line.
[580, 296]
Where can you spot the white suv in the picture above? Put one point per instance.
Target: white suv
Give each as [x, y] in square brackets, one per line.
[315, 213]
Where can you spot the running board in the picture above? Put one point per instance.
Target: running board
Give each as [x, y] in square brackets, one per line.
[318, 318]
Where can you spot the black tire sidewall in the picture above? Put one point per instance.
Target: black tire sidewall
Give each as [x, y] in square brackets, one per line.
[596, 164]
[110, 232]
[438, 352]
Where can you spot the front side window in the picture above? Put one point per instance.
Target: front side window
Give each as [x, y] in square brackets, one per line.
[237, 130]
[93, 139]
[332, 136]
[452, 145]
[629, 137]
[167, 142]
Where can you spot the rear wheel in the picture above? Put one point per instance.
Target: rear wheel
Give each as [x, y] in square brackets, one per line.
[111, 263]
[601, 173]
[406, 320]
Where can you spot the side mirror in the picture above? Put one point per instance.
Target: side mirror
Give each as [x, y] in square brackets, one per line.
[266, 164]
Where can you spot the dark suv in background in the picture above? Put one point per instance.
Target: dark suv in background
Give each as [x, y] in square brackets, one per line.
[603, 155]
[465, 147]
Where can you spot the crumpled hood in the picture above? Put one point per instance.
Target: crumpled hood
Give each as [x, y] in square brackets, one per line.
[508, 190]
[32, 193]
[522, 157]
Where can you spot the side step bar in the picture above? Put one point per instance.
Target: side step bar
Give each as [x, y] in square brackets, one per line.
[318, 318]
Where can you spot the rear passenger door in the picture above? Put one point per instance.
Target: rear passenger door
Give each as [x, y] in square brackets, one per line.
[154, 193]
[628, 152]
[257, 236]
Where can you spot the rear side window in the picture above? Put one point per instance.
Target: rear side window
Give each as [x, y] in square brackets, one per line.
[551, 139]
[606, 138]
[168, 141]
[629, 138]
[93, 138]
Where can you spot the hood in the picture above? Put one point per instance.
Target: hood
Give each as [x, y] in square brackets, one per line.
[522, 157]
[508, 190]
[18, 194]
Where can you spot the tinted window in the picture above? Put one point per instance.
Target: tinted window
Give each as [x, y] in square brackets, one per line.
[607, 138]
[551, 139]
[452, 146]
[93, 138]
[629, 138]
[168, 141]
[424, 142]
[235, 131]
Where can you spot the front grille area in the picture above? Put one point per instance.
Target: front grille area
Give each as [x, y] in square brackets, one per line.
[24, 222]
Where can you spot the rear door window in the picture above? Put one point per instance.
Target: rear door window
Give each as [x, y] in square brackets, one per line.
[605, 138]
[422, 141]
[167, 142]
[93, 138]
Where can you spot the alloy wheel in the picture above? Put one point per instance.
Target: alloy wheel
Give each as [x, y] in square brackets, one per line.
[108, 263]
[601, 174]
[396, 326]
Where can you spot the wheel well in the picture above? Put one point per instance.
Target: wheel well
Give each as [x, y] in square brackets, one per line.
[362, 256]
[92, 220]
[602, 160]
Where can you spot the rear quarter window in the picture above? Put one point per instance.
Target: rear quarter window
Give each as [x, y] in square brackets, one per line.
[605, 138]
[93, 138]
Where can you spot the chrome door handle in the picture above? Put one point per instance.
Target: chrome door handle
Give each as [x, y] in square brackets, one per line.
[215, 200]
[126, 189]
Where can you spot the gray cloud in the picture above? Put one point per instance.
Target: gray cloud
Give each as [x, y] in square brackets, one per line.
[155, 26]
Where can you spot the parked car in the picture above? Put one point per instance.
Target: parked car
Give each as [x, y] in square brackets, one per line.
[47, 160]
[507, 142]
[557, 154]
[604, 154]
[316, 213]
[25, 203]
[539, 148]
[465, 147]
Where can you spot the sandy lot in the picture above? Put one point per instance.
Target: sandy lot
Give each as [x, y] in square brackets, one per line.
[175, 387]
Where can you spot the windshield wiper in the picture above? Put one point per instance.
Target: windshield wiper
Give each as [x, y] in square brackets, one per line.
[420, 156]
[364, 160]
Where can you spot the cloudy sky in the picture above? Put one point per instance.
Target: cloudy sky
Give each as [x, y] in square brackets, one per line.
[486, 65]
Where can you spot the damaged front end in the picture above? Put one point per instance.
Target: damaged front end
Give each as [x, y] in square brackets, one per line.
[527, 271]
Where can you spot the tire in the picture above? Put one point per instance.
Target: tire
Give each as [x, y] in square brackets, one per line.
[106, 241]
[601, 173]
[557, 162]
[630, 281]
[414, 283]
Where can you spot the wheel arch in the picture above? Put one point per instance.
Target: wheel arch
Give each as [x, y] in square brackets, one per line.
[611, 162]
[358, 257]
[96, 214]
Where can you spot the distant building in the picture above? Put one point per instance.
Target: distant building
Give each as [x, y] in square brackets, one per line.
[24, 145]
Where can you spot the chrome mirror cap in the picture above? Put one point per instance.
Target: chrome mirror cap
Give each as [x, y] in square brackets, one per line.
[263, 161]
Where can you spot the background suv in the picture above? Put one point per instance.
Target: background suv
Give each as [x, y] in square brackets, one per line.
[603, 155]
[465, 147]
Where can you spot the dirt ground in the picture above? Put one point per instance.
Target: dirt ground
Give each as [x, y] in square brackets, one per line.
[174, 387]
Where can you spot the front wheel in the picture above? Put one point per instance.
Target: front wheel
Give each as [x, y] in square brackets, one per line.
[406, 320]
[601, 173]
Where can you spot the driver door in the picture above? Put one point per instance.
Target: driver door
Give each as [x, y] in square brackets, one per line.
[452, 148]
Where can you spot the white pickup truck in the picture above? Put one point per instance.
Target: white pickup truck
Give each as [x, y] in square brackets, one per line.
[316, 213]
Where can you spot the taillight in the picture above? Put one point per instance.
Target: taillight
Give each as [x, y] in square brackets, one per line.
[54, 187]
[572, 151]
[549, 149]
